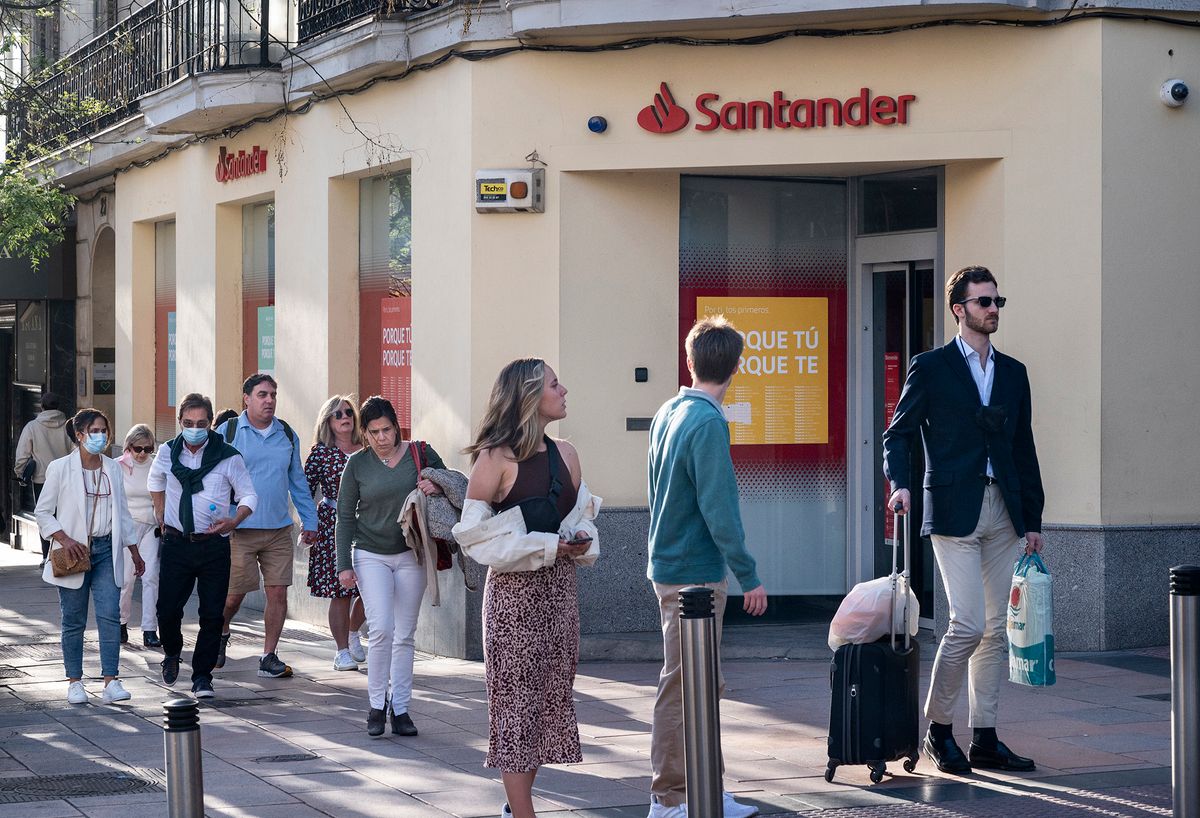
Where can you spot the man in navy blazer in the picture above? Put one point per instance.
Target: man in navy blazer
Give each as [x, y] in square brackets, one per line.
[971, 407]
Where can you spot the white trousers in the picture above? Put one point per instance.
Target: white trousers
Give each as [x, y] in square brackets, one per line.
[148, 548]
[977, 574]
[391, 587]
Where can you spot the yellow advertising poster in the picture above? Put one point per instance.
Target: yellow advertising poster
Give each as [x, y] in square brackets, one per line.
[780, 394]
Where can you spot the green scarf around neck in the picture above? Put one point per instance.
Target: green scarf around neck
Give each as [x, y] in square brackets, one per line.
[191, 481]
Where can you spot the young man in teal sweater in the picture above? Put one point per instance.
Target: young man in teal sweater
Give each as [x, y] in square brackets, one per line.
[695, 537]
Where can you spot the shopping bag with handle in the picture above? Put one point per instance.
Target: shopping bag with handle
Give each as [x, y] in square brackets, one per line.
[1031, 624]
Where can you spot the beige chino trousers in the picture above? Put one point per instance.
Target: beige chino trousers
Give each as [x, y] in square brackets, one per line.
[668, 785]
[977, 575]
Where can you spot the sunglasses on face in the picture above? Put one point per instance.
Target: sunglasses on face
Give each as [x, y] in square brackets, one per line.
[985, 301]
[338, 414]
[141, 449]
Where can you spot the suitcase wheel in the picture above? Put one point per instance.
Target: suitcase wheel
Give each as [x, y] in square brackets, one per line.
[910, 764]
[829, 772]
[877, 771]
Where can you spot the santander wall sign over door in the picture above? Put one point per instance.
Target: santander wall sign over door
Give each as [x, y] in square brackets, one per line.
[665, 115]
[231, 166]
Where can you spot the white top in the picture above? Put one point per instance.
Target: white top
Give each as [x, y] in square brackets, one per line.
[984, 378]
[229, 473]
[137, 496]
[97, 489]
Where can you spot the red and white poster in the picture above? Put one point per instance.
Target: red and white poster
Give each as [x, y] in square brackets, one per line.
[891, 396]
[395, 366]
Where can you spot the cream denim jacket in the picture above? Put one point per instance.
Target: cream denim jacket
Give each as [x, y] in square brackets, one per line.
[501, 541]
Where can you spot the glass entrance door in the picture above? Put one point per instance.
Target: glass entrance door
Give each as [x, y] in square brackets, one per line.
[904, 304]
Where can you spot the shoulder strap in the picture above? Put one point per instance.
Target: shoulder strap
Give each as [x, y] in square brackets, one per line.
[555, 483]
[287, 430]
[415, 448]
[230, 430]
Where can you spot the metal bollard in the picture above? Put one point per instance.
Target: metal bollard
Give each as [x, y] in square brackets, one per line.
[1185, 690]
[181, 747]
[701, 710]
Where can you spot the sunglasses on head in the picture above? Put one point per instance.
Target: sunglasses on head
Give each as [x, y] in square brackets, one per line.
[141, 449]
[985, 301]
[339, 414]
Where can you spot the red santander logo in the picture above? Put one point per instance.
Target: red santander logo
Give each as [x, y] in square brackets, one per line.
[664, 116]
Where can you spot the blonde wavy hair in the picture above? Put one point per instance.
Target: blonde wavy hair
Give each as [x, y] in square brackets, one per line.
[511, 418]
[139, 432]
[323, 432]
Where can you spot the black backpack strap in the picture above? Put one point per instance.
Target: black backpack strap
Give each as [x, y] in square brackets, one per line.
[287, 430]
[230, 430]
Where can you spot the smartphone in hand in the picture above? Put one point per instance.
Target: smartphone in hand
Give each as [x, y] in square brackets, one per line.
[580, 537]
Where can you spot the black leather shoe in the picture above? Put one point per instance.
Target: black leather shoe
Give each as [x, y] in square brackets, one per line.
[1000, 758]
[124, 634]
[150, 639]
[376, 720]
[946, 755]
[170, 669]
[224, 644]
[402, 725]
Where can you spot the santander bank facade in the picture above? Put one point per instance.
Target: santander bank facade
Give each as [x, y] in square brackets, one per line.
[815, 187]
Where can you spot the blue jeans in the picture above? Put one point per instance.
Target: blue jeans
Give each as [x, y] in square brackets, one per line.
[73, 602]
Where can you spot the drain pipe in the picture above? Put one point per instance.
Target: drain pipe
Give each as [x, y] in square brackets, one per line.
[701, 710]
[181, 748]
[1185, 690]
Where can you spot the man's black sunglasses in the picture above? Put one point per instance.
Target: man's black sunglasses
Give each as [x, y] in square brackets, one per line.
[985, 301]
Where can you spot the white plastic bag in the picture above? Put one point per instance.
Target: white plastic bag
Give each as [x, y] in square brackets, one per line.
[1031, 624]
[865, 614]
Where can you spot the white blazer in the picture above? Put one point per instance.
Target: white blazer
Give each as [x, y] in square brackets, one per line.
[63, 507]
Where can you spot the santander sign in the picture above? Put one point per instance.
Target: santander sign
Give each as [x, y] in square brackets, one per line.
[665, 115]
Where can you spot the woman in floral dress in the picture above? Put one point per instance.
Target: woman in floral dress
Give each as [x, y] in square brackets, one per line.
[337, 437]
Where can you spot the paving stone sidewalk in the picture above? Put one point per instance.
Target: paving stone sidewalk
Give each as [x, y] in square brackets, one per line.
[297, 748]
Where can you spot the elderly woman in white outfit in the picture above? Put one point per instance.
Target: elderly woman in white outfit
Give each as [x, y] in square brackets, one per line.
[82, 511]
[135, 466]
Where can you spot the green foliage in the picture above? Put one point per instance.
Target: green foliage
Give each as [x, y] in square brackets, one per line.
[33, 211]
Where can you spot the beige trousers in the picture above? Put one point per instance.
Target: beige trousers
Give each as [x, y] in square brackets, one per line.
[668, 785]
[977, 574]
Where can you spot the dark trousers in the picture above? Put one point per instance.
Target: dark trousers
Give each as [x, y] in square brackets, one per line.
[184, 564]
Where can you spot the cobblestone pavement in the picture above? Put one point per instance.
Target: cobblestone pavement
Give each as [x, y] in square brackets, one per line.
[297, 748]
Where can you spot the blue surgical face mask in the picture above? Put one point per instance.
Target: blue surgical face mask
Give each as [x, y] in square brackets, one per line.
[194, 436]
[95, 442]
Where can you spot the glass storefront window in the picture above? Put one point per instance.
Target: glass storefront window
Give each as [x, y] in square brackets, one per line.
[771, 255]
[164, 331]
[258, 289]
[892, 204]
[385, 292]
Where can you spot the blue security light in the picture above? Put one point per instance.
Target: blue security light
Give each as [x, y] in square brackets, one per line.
[597, 124]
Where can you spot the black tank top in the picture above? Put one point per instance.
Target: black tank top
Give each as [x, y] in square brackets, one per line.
[533, 480]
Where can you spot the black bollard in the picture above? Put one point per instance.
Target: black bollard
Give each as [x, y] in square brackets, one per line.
[1185, 690]
[181, 747]
[701, 710]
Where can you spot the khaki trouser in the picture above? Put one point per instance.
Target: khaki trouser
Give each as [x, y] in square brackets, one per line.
[666, 733]
[977, 574]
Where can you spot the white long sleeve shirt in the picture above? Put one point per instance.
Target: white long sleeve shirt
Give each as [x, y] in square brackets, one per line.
[212, 502]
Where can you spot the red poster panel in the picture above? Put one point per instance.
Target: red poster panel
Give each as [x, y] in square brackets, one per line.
[891, 396]
[395, 362]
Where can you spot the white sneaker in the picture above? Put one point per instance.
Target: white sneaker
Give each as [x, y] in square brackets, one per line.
[357, 652]
[76, 694]
[506, 812]
[658, 810]
[344, 661]
[114, 691]
[736, 809]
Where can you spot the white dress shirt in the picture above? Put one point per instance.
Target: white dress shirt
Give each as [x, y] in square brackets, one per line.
[984, 378]
[213, 501]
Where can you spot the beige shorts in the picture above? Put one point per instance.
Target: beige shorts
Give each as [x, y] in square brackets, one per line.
[252, 550]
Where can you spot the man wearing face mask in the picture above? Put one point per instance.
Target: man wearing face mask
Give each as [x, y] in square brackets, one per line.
[190, 484]
[971, 406]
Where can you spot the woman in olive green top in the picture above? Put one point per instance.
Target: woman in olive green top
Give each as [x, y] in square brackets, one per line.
[372, 554]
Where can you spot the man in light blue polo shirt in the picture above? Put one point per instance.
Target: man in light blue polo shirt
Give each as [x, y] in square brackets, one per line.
[263, 542]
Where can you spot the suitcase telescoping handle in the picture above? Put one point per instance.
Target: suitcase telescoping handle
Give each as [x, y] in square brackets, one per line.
[900, 532]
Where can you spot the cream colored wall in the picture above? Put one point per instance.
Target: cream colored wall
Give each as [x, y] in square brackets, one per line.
[1151, 256]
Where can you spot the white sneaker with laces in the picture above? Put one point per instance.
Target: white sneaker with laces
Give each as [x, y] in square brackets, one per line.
[114, 691]
[357, 652]
[506, 812]
[76, 694]
[736, 809]
[658, 810]
[344, 661]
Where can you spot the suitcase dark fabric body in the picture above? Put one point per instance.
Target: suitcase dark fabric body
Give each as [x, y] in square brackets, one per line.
[873, 718]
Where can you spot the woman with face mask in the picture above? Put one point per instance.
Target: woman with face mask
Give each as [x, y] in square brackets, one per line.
[135, 467]
[82, 511]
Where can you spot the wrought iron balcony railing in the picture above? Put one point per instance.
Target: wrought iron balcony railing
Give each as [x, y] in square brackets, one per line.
[100, 83]
[320, 16]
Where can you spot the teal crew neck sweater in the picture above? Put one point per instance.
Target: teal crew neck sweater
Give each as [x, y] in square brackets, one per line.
[695, 523]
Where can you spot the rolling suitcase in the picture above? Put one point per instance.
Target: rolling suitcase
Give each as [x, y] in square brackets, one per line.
[873, 717]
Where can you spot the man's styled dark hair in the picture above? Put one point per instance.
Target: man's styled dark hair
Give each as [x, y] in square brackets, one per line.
[254, 380]
[714, 347]
[194, 400]
[956, 287]
[49, 401]
[84, 418]
[374, 408]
